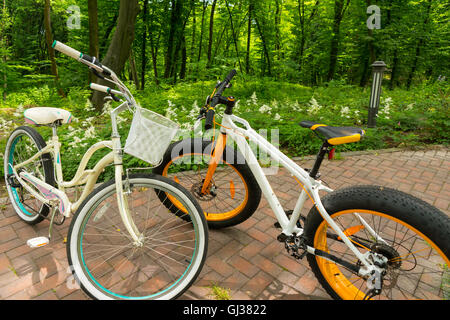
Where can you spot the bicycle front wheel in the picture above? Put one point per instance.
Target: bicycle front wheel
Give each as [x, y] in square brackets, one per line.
[412, 235]
[233, 195]
[107, 262]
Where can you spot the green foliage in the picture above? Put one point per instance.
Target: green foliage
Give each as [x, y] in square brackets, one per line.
[406, 118]
[288, 56]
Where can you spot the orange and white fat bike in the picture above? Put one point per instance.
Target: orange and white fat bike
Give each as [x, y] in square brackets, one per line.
[361, 242]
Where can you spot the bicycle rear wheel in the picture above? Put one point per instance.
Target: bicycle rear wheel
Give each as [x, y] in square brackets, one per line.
[23, 143]
[109, 265]
[416, 244]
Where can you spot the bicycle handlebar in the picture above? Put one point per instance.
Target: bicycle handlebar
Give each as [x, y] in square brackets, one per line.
[104, 89]
[223, 85]
[216, 99]
[71, 52]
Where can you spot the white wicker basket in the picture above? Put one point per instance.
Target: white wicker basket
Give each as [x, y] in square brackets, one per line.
[150, 135]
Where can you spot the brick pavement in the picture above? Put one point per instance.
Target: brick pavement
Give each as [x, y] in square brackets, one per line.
[245, 259]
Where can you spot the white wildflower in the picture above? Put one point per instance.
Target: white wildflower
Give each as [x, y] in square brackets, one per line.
[88, 121]
[275, 104]
[345, 111]
[187, 126]
[314, 106]
[195, 110]
[254, 99]
[107, 108]
[386, 106]
[296, 106]
[90, 133]
[265, 109]
[75, 143]
[410, 106]
[88, 106]
[277, 117]
[236, 106]
[171, 104]
[19, 111]
[171, 114]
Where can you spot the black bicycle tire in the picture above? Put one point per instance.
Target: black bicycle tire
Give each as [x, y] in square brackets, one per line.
[235, 159]
[413, 211]
[47, 164]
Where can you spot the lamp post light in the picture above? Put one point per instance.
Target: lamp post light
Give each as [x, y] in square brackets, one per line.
[378, 70]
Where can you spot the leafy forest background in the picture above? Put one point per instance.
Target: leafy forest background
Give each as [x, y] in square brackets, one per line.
[296, 60]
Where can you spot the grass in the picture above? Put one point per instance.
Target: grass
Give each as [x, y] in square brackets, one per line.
[219, 293]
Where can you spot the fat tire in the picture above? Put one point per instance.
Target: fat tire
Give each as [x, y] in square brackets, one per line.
[232, 157]
[417, 213]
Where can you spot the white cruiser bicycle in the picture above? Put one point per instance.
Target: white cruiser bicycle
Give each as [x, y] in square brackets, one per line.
[123, 243]
[361, 242]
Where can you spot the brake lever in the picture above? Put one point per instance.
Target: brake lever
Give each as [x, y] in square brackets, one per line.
[114, 97]
[96, 73]
[202, 113]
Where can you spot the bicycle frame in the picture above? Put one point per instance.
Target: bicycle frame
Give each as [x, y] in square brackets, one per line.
[310, 186]
[48, 194]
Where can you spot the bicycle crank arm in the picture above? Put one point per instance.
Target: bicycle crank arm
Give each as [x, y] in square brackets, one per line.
[48, 192]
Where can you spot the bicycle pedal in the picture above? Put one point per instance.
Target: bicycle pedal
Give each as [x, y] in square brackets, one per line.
[38, 242]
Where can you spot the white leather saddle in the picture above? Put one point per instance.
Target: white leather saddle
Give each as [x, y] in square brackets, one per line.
[47, 115]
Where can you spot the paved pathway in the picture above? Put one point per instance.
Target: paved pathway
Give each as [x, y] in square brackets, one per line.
[245, 259]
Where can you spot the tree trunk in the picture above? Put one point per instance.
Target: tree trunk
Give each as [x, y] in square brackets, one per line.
[49, 41]
[394, 70]
[419, 47]
[249, 35]
[304, 22]
[183, 58]
[93, 33]
[205, 5]
[107, 33]
[144, 44]
[174, 37]
[234, 35]
[211, 31]
[154, 52]
[133, 69]
[266, 52]
[120, 46]
[339, 10]
[278, 10]
[367, 62]
[194, 31]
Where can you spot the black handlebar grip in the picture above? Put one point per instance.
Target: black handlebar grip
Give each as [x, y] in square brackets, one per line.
[230, 76]
[96, 62]
[209, 119]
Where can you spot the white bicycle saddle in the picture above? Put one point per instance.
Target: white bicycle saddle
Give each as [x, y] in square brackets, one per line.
[47, 115]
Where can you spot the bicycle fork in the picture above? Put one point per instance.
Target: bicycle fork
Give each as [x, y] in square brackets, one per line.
[121, 200]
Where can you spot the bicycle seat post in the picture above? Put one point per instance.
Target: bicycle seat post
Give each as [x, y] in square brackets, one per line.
[322, 152]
